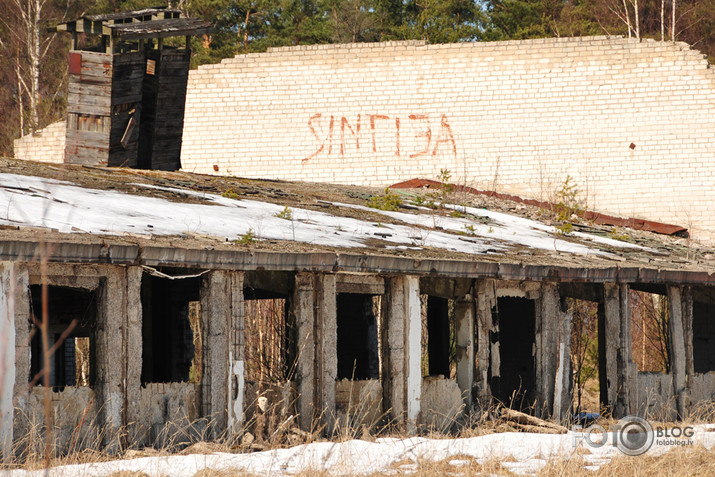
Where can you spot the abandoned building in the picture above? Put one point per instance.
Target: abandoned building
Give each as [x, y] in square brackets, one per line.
[180, 302]
[179, 306]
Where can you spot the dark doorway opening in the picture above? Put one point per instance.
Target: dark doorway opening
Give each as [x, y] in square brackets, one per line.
[703, 337]
[516, 380]
[357, 337]
[171, 329]
[439, 347]
[71, 318]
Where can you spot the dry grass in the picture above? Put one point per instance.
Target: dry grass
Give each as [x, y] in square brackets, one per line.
[678, 462]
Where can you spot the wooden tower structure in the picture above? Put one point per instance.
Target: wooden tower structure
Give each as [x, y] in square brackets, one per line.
[127, 91]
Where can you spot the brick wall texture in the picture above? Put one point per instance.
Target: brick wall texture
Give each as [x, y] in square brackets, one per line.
[44, 145]
[632, 122]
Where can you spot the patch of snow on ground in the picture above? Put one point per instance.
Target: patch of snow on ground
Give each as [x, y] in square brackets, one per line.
[525, 453]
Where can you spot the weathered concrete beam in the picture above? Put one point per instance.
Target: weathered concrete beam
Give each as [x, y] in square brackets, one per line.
[547, 357]
[326, 344]
[236, 352]
[563, 385]
[678, 358]
[330, 262]
[302, 309]
[445, 287]
[7, 357]
[402, 329]
[609, 337]
[360, 283]
[686, 300]
[111, 333]
[487, 349]
[215, 313]
[464, 315]
[133, 349]
[626, 392]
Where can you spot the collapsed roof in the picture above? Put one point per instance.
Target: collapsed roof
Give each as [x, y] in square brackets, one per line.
[160, 218]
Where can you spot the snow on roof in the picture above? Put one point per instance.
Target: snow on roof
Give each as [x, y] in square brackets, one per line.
[66, 207]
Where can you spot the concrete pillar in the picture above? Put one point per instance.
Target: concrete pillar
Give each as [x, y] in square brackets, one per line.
[609, 337]
[553, 355]
[216, 297]
[401, 341]
[133, 349]
[112, 355]
[686, 301]
[236, 352]
[546, 338]
[464, 314]
[314, 307]
[326, 344]
[677, 349]
[302, 309]
[562, 385]
[486, 349]
[8, 344]
[620, 369]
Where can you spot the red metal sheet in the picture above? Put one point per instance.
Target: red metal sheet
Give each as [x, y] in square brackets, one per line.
[75, 63]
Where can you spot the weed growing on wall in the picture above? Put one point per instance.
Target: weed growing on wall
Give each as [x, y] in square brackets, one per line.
[387, 201]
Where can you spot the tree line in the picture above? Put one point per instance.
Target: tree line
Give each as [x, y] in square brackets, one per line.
[33, 66]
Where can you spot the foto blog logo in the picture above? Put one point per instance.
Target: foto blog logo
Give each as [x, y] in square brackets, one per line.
[633, 435]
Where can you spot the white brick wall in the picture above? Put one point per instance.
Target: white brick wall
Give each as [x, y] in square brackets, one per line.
[515, 115]
[44, 145]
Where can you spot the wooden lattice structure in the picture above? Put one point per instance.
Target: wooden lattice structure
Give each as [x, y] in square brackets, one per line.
[127, 93]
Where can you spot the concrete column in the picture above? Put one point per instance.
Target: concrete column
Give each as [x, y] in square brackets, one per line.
[413, 350]
[464, 314]
[486, 299]
[21, 304]
[302, 309]
[112, 354]
[562, 384]
[236, 352]
[546, 356]
[609, 334]
[402, 330]
[215, 300]
[618, 336]
[7, 357]
[133, 349]
[677, 349]
[686, 300]
[326, 344]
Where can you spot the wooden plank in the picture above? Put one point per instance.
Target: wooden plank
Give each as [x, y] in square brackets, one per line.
[99, 110]
[89, 89]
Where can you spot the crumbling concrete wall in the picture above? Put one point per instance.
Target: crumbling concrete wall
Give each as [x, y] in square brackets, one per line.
[168, 414]
[441, 403]
[654, 396]
[702, 391]
[358, 403]
[268, 406]
[77, 421]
